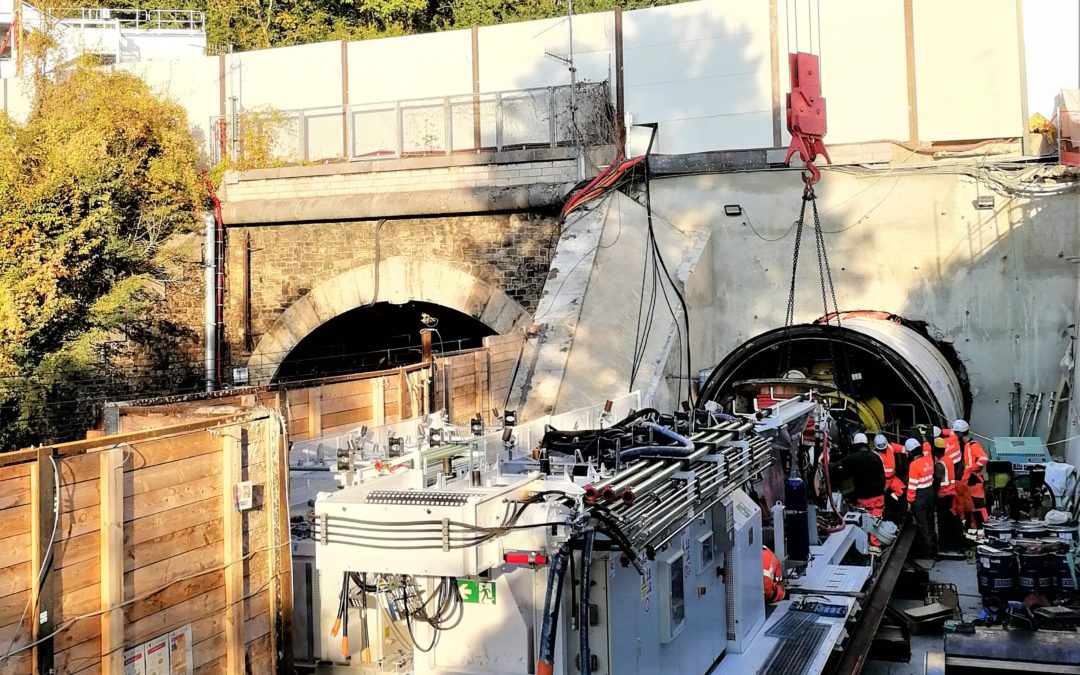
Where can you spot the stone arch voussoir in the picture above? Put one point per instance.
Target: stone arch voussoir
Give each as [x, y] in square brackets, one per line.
[400, 280]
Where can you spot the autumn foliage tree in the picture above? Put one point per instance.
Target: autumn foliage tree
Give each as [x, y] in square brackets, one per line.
[91, 184]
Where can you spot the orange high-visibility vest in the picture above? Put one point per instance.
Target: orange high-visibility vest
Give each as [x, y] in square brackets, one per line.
[920, 476]
[975, 459]
[773, 576]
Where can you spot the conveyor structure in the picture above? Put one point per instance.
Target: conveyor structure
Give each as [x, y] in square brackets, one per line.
[610, 540]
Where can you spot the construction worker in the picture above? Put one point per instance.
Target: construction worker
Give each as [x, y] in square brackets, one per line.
[950, 529]
[867, 473]
[894, 487]
[921, 495]
[773, 573]
[974, 461]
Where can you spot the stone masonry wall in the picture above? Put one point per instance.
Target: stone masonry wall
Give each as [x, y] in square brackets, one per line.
[509, 251]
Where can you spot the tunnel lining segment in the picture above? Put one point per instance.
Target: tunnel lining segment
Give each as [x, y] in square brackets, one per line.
[401, 280]
[914, 358]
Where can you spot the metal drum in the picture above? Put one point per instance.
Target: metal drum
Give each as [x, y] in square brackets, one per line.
[997, 571]
[1059, 562]
[1031, 529]
[1066, 532]
[999, 529]
[1036, 573]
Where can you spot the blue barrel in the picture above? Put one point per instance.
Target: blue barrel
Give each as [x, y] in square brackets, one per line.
[1036, 574]
[999, 529]
[997, 571]
[1069, 532]
[1060, 565]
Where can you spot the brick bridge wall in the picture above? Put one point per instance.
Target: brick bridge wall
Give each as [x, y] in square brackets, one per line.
[511, 252]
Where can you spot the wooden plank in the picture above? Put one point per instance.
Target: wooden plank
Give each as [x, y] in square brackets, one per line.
[214, 649]
[352, 388]
[345, 403]
[149, 577]
[76, 602]
[14, 492]
[75, 550]
[207, 585]
[14, 471]
[177, 615]
[354, 417]
[233, 546]
[172, 543]
[172, 497]
[14, 550]
[16, 664]
[111, 546]
[76, 523]
[17, 520]
[79, 575]
[378, 403]
[96, 444]
[166, 475]
[147, 528]
[77, 633]
[257, 627]
[280, 561]
[314, 416]
[80, 657]
[214, 667]
[11, 608]
[261, 654]
[42, 525]
[145, 454]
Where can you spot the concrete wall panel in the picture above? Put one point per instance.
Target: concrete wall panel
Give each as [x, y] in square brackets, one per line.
[997, 284]
[1051, 35]
[287, 78]
[417, 66]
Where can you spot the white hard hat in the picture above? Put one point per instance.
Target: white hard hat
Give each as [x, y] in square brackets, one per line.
[880, 442]
[911, 444]
[859, 439]
[960, 426]
[937, 432]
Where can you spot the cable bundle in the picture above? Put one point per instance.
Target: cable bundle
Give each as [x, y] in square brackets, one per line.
[599, 185]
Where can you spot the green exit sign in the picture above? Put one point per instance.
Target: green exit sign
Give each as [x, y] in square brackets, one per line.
[477, 592]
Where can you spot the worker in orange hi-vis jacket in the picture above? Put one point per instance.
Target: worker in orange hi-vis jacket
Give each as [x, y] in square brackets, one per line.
[773, 575]
[894, 487]
[921, 497]
[950, 529]
[974, 460]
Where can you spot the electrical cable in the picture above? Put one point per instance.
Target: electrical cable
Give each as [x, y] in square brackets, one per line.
[584, 655]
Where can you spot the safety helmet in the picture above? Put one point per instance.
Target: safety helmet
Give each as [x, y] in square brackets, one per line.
[880, 442]
[961, 426]
[911, 444]
[937, 432]
[859, 439]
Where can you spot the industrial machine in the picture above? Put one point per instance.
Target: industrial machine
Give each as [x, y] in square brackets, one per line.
[609, 540]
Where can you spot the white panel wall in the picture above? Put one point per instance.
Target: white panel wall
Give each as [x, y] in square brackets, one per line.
[193, 83]
[967, 69]
[418, 66]
[703, 71]
[1052, 51]
[518, 55]
[287, 78]
[863, 67]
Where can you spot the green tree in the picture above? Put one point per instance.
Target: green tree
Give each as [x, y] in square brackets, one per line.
[91, 185]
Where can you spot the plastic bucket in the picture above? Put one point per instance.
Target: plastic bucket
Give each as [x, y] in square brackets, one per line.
[997, 571]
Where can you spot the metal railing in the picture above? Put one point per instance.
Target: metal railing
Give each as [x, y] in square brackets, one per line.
[135, 19]
[467, 123]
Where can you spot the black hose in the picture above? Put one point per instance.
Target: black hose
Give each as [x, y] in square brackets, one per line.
[583, 608]
[552, 601]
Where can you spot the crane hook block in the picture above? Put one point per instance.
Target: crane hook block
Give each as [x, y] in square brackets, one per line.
[806, 120]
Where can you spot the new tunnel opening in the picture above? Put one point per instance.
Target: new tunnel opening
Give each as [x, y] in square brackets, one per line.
[378, 337]
[884, 374]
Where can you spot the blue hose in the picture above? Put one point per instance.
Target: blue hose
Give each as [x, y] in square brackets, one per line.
[685, 447]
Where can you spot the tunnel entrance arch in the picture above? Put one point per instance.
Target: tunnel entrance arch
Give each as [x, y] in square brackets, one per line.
[396, 281]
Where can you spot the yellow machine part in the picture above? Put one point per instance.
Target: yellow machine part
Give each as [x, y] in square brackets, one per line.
[871, 412]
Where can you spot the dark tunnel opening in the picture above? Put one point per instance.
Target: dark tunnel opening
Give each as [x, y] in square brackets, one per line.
[379, 337]
[896, 375]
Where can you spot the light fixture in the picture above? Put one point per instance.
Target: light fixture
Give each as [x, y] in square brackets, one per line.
[732, 210]
[984, 202]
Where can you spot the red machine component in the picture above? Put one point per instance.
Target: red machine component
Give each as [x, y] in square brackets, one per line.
[806, 113]
[526, 558]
